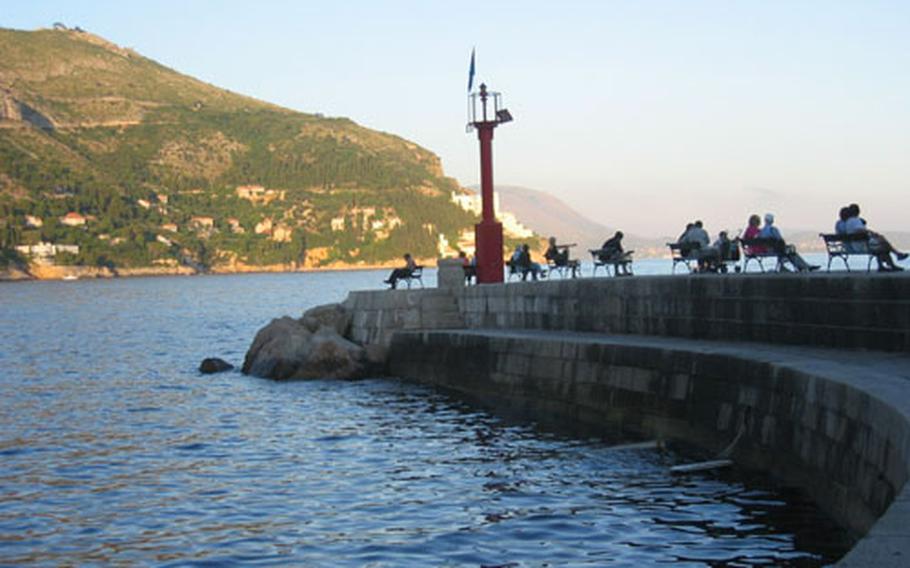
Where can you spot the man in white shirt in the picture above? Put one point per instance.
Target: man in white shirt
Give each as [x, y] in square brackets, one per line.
[697, 234]
[695, 241]
[770, 232]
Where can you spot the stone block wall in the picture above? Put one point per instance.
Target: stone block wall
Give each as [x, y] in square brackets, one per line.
[378, 314]
[855, 311]
[831, 416]
[840, 433]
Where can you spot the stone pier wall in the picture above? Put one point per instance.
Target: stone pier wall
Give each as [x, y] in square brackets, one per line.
[827, 427]
[378, 315]
[855, 311]
[813, 368]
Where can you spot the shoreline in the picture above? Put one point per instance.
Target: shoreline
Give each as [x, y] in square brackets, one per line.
[37, 273]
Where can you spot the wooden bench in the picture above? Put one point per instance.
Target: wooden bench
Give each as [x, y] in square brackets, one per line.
[844, 246]
[415, 275]
[717, 262]
[522, 273]
[683, 254]
[571, 268]
[512, 270]
[623, 261]
[760, 249]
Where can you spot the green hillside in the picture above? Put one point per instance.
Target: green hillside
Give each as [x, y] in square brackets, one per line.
[163, 168]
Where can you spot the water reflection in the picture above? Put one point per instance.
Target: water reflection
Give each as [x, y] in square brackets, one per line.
[114, 450]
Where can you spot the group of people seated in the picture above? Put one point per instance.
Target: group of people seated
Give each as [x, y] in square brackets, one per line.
[557, 256]
[757, 240]
[850, 224]
[695, 243]
[760, 240]
[521, 263]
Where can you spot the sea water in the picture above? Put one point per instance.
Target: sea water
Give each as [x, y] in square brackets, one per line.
[114, 450]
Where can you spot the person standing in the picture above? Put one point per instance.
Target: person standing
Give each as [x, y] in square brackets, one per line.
[468, 266]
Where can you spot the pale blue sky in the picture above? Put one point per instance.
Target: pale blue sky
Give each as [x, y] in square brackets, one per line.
[640, 114]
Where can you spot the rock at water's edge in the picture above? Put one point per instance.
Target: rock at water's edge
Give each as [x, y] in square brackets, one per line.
[335, 316]
[214, 365]
[287, 349]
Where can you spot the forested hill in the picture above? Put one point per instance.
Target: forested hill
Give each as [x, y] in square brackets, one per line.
[139, 165]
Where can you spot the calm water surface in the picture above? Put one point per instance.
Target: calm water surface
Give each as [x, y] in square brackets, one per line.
[115, 451]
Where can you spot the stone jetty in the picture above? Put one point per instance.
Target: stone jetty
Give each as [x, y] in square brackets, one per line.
[810, 373]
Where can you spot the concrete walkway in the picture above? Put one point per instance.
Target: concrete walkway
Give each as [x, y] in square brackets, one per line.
[884, 374]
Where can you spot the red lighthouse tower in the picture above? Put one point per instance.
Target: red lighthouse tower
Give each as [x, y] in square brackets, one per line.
[487, 233]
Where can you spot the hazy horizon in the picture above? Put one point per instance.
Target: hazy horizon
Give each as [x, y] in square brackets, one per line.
[640, 115]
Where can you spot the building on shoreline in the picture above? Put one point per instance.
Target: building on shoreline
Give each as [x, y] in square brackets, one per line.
[45, 252]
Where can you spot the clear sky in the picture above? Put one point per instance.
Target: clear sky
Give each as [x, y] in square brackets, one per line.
[640, 114]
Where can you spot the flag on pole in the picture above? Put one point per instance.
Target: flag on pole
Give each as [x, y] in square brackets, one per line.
[471, 72]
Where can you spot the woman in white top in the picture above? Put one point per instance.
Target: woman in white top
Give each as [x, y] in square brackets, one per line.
[878, 244]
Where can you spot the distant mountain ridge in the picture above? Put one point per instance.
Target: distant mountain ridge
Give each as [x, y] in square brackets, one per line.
[548, 215]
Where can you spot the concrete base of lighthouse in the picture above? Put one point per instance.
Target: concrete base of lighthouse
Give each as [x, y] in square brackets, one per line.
[488, 243]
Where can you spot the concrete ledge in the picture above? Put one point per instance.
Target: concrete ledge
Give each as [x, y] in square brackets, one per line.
[855, 311]
[836, 423]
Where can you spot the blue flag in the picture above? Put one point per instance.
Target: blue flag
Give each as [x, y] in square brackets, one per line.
[471, 72]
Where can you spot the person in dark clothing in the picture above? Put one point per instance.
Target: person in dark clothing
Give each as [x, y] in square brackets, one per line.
[525, 265]
[404, 272]
[612, 252]
[559, 255]
[612, 247]
[468, 266]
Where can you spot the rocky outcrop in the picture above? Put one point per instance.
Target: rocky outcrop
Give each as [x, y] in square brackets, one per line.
[17, 111]
[334, 316]
[214, 365]
[9, 107]
[309, 348]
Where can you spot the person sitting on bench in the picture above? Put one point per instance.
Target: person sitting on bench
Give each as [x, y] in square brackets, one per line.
[723, 250]
[840, 226]
[559, 255]
[772, 234]
[525, 265]
[878, 244]
[695, 242]
[753, 230]
[612, 252]
[728, 249]
[404, 272]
